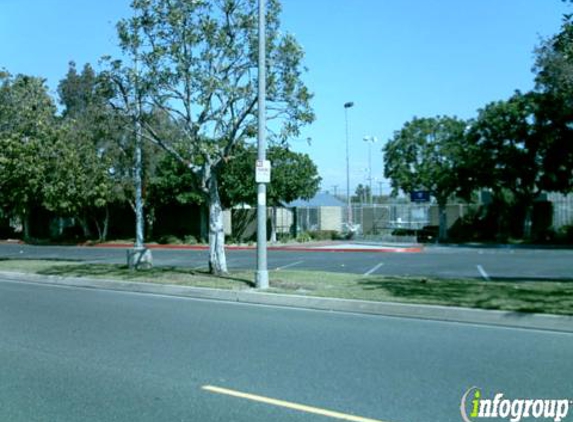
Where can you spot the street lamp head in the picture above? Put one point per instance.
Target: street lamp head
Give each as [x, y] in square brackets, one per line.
[372, 139]
[348, 104]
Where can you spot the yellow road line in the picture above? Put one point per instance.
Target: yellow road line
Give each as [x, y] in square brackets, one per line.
[288, 405]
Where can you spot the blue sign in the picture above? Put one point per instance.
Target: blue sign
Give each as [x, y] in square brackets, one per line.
[420, 196]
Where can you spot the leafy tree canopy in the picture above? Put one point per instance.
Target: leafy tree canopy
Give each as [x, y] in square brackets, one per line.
[293, 176]
[424, 155]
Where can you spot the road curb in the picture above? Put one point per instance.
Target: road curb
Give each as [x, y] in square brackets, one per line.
[409, 249]
[547, 322]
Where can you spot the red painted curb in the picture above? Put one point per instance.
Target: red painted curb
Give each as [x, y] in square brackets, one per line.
[271, 248]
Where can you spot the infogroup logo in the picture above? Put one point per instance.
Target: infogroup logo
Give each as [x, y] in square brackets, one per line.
[475, 407]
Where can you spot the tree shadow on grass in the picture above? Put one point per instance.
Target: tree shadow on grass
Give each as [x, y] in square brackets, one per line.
[520, 297]
[122, 272]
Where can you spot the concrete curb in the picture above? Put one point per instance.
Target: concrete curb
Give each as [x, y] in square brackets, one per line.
[428, 312]
[410, 249]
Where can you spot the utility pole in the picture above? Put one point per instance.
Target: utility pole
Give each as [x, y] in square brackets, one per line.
[262, 273]
[335, 188]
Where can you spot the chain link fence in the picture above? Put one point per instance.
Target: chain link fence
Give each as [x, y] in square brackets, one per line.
[399, 222]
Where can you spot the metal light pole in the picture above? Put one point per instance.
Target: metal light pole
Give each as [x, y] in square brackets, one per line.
[370, 140]
[262, 273]
[348, 198]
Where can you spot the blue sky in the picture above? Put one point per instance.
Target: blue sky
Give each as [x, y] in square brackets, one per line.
[394, 59]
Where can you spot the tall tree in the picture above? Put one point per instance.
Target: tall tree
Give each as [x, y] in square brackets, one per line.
[27, 130]
[554, 82]
[197, 62]
[512, 147]
[425, 155]
[361, 194]
[90, 168]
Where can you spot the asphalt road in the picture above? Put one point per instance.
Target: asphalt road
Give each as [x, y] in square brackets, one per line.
[70, 354]
[494, 263]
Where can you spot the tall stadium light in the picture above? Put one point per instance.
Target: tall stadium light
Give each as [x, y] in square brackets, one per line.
[370, 140]
[262, 169]
[348, 105]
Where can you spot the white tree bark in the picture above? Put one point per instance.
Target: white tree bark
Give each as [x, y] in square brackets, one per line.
[274, 212]
[527, 222]
[443, 223]
[217, 258]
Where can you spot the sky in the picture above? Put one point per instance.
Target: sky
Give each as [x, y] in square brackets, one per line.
[394, 59]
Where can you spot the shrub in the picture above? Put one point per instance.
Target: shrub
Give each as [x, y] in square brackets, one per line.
[190, 240]
[324, 234]
[169, 240]
[304, 237]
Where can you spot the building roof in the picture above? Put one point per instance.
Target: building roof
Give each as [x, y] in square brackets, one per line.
[319, 200]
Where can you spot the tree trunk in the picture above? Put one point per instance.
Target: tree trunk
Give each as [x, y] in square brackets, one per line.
[150, 217]
[98, 228]
[527, 222]
[103, 237]
[217, 258]
[274, 225]
[85, 227]
[443, 222]
[26, 224]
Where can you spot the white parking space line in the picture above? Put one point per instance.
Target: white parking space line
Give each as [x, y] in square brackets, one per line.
[483, 273]
[374, 269]
[289, 265]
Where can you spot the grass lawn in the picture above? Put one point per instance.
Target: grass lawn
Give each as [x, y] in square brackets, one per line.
[526, 296]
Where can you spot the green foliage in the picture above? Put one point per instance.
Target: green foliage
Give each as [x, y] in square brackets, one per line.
[195, 62]
[21, 173]
[554, 62]
[26, 132]
[324, 235]
[172, 182]
[304, 237]
[26, 108]
[425, 155]
[77, 178]
[293, 176]
[554, 82]
[362, 193]
[510, 146]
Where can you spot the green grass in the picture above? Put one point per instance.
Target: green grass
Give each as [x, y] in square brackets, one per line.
[523, 296]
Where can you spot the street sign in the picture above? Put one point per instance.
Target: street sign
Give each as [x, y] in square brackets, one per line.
[420, 196]
[263, 171]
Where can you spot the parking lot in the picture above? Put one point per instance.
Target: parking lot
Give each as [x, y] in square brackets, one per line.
[522, 264]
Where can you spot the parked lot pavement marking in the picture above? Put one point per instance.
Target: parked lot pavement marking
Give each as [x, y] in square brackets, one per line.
[289, 265]
[483, 273]
[374, 269]
[288, 405]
